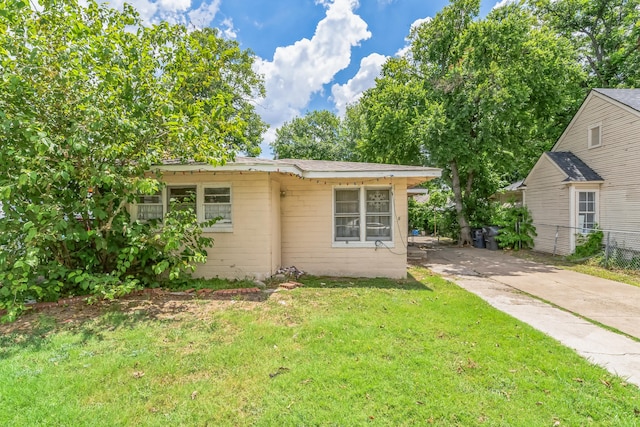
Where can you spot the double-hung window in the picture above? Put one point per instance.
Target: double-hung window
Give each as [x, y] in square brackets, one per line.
[150, 207]
[586, 211]
[207, 201]
[217, 204]
[362, 214]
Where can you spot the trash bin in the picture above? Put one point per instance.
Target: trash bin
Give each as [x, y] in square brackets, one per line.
[478, 238]
[490, 234]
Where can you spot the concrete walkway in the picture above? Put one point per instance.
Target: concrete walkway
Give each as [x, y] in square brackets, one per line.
[519, 288]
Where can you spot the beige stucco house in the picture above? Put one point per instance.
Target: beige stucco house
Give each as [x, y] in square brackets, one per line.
[324, 218]
[590, 177]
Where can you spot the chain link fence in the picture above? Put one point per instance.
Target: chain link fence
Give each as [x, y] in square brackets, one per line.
[616, 249]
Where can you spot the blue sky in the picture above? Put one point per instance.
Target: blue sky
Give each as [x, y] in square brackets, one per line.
[313, 54]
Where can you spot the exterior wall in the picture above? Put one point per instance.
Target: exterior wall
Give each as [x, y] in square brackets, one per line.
[616, 160]
[248, 249]
[275, 228]
[547, 197]
[307, 232]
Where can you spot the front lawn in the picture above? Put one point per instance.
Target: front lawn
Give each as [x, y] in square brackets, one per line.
[335, 352]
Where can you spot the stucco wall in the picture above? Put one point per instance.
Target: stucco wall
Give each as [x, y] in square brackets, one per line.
[307, 232]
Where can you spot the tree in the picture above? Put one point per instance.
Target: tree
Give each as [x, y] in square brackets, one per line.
[319, 135]
[605, 32]
[479, 98]
[89, 100]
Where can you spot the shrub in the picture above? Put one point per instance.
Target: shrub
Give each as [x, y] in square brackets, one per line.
[516, 228]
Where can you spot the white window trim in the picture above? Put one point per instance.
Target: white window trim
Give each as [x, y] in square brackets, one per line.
[216, 228]
[134, 211]
[590, 132]
[222, 227]
[363, 242]
[574, 210]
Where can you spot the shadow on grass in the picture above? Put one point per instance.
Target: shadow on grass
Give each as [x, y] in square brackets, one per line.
[32, 330]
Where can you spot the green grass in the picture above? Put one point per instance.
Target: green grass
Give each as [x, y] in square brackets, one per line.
[335, 352]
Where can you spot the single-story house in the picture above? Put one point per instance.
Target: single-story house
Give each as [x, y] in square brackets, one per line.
[323, 217]
[512, 194]
[590, 176]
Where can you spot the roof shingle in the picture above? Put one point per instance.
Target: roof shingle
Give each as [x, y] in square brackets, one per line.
[628, 97]
[575, 169]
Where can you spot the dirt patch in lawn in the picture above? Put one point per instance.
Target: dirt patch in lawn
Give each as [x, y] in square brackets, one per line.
[150, 304]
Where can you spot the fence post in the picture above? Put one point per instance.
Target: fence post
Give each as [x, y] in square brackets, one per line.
[606, 251]
[555, 242]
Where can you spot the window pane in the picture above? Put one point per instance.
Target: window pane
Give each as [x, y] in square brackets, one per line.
[217, 195]
[220, 210]
[595, 136]
[347, 229]
[347, 201]
[146, 212]
[156, 198]
[378, 227]
[182, 197]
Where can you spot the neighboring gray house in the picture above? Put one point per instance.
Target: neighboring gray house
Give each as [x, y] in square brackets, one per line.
[590, 177]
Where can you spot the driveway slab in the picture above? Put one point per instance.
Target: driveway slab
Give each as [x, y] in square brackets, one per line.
[520, 289]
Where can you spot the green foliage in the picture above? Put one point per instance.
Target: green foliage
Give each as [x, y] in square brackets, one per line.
[419, 214]
[319, 135]
[604, 32]
[588, 245]
[480, 98]
[90, 100]
[516, 228]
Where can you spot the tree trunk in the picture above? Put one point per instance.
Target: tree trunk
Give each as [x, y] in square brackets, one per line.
[465, 230]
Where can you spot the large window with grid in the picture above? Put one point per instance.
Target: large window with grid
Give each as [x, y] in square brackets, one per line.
[362, 214]
[586, 211]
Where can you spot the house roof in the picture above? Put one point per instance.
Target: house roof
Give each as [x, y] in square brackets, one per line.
[515, 186]
[575, 169]
[628, 97]
[311, 168]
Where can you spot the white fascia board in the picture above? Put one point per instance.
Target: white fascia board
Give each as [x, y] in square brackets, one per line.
[371, 174]
[231, 168]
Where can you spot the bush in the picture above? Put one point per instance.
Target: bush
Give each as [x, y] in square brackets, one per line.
[516, 228]
[43, 266]
[589, 245]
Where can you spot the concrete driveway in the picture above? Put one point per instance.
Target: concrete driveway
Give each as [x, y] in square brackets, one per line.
[552, 300]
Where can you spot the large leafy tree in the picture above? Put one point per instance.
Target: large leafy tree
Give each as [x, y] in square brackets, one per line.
[605, 32]
[480, 98]
[319, 135]
[90, 99]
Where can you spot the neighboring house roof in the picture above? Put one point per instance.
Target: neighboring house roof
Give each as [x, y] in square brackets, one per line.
[518, 185]
[575, 169]
[628, 97]
[310, 168]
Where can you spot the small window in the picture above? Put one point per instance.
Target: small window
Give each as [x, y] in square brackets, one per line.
[182, 198]
[595, 136]
[150, 207]
[378, 215]
[347, 215]
[217, 204]
[586, 211]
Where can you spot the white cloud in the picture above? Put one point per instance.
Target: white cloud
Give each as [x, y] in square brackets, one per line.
[174, 5]
[204, 14]
[228, 29]
[502, 3]
[299, 70]
[351, 91]
[405, 50]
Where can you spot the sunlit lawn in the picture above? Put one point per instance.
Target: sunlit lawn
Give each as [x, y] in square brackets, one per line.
[335, 352]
